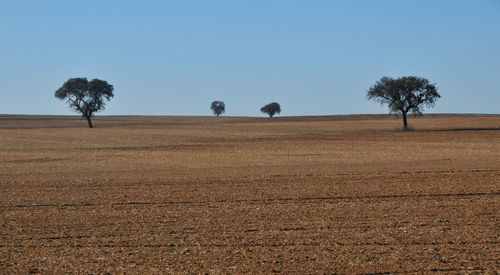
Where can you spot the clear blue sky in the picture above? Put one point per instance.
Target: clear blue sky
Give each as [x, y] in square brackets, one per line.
[313, 57]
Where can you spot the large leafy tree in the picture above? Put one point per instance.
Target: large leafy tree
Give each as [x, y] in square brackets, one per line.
[85, 97]
[408, 94]
[271, 109]
[218, 107]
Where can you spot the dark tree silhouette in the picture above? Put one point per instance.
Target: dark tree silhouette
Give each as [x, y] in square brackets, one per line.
[271, 109]
[85, 97]
[408, 94]
[218, 107]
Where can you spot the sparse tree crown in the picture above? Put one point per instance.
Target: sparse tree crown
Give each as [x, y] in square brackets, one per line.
[271, 109]
[85, 97]
[218, 107]
[408, 94]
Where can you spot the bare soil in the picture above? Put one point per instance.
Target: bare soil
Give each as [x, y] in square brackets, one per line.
[330, 194]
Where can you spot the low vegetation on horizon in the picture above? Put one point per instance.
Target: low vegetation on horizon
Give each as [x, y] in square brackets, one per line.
[402, 95]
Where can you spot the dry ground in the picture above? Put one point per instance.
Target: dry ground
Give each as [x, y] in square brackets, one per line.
[340, 194]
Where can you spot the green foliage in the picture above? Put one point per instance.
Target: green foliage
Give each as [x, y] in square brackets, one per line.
[218, 107]
[85, 97]
[408, 94]
[271, 109]
[405, 94]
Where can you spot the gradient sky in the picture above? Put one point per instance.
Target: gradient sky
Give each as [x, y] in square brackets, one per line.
[313, 57]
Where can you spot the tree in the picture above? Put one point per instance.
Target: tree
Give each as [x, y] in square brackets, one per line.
[271, 109]
[218, 107]
[408, 94]
[85, 97]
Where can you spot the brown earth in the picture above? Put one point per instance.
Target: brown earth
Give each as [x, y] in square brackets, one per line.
[332, 194]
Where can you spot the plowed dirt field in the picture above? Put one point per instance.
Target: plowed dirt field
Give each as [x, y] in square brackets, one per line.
[333, 194]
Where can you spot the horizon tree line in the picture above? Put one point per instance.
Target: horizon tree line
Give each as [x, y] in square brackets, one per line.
[403, 95]
[219, 107]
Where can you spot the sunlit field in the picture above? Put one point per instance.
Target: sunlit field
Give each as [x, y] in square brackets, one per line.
[345, 194]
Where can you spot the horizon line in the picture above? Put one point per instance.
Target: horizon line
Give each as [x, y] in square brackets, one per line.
[242, 116]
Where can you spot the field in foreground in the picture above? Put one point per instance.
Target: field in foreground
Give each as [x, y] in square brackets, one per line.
[341, 194]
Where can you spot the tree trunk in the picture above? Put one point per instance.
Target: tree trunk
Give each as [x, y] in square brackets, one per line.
[89, 120]
[405, 121]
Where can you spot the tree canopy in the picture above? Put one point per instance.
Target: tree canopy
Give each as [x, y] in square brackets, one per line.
[271, 109]
[218, 107]
[85, 97]
[408, 94]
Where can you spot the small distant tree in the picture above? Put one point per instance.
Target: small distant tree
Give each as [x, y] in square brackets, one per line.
[408, 94]
[271, 109]
[85, 97]
[218, 107]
